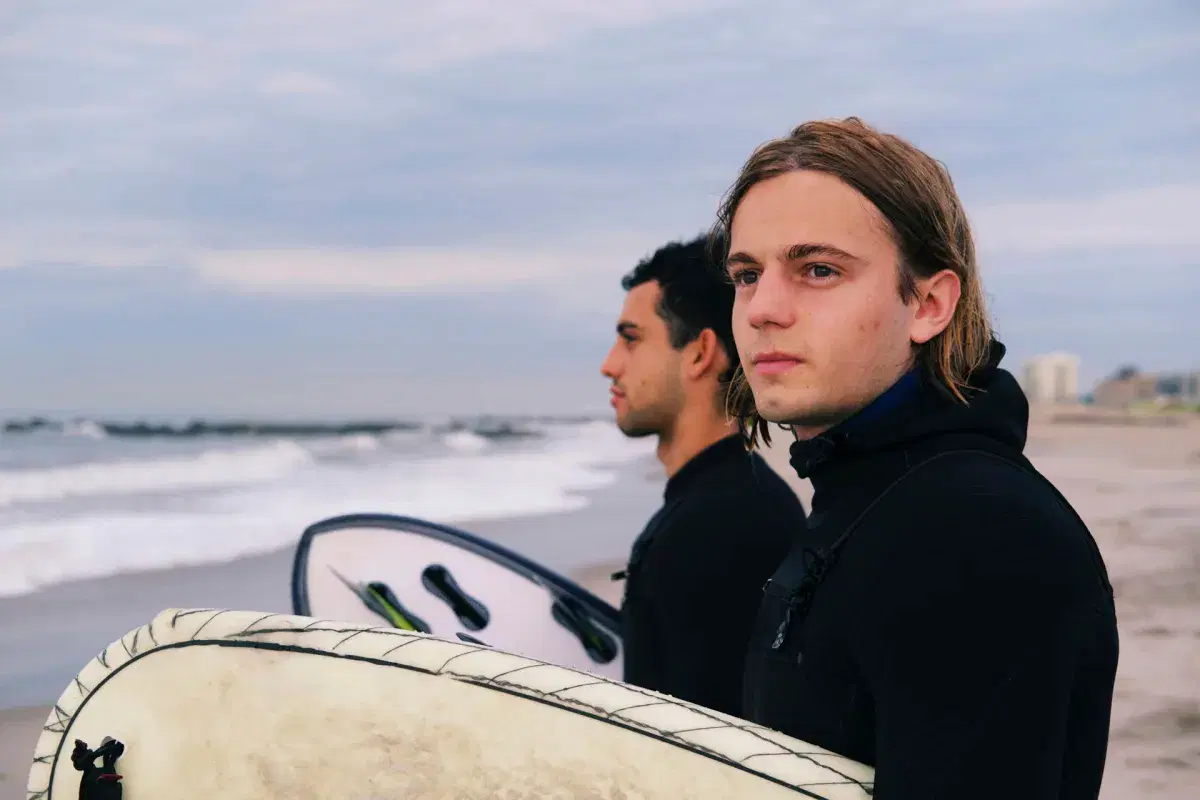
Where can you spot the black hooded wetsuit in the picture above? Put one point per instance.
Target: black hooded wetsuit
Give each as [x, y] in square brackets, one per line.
[947, 617]
[696, 572]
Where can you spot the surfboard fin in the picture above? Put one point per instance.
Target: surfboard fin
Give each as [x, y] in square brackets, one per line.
[394, 610]
[466, 637]
[440, 582]
[379, 598]
[102, 782]
[571, 615]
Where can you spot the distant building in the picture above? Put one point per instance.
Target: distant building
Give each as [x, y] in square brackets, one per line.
[1180, 387]
[1128, 386]
[1052, 378]
[1123, 390]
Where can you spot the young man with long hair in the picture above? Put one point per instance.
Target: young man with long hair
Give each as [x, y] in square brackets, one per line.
[946, 616]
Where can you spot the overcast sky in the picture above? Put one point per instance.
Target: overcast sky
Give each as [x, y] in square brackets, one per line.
[374, 206]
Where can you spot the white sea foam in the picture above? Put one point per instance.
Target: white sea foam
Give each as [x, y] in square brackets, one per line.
[139, 515]
[209, 469]
[466, 442]
[85, 428]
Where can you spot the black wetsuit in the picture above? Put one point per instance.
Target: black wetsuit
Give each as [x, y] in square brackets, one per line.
[962, 639]
[696, 573]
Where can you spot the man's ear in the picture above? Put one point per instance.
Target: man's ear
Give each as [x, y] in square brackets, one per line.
[937, 298]
[704, 355]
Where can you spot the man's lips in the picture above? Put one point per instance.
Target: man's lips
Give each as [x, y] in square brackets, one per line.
[775, 363]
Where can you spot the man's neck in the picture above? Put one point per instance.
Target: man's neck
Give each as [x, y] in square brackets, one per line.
[689, 437]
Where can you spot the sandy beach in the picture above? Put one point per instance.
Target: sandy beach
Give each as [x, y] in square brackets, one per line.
[1137, 486]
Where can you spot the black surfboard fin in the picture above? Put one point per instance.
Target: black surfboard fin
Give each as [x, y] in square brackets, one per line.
[466, 637]
[568, 612]
[470, 612]
[379, 598]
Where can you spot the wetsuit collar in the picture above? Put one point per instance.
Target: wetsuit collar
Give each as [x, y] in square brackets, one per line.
[721, 450]
[806, 456]
[919, 407]
[894, 397]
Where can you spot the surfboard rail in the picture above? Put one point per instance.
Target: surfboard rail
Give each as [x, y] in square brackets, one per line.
[807, 770]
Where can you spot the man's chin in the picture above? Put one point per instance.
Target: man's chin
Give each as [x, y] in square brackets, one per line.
[634, 430]
[638, 433]
[811, 417]
[812, 424]
[779, 413]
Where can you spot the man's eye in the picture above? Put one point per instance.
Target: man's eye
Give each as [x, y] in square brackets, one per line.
[744, 277]
[821, 271]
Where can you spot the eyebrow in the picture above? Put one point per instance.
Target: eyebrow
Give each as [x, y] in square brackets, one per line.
[624, 328]
[796, 252]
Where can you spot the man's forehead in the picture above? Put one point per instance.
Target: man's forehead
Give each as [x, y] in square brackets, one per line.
[643, 299]
[640, 310]
[804, 206]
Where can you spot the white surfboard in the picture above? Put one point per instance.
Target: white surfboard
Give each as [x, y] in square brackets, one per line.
[417, 575]
[240, 705]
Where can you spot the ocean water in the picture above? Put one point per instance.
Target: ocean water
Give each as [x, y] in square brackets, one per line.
[88, 498]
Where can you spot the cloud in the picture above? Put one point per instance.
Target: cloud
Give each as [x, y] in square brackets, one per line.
[419, 38]
[418, 269]
[297, 82]
[151, 341]
[371, 124]
[410, 37]
[1143, 220]
[1155, 217]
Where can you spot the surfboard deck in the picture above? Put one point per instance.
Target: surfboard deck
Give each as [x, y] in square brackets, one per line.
[252, 706]
[419, 575]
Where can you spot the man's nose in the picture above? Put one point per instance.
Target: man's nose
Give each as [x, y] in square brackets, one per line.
[770, 303]
[608, 368]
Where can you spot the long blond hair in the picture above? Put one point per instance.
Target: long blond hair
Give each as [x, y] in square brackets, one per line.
[916, 196]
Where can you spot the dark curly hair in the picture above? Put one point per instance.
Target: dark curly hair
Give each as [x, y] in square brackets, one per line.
[695, 295]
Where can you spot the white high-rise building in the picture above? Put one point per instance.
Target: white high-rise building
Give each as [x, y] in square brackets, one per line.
[1052, 378]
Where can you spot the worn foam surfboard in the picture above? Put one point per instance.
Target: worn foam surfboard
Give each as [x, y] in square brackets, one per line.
[251, 706]
[419, 575]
